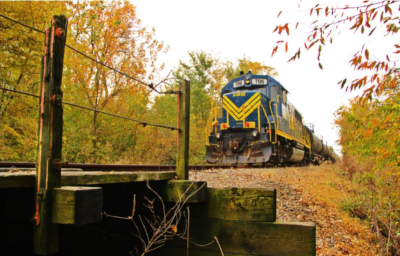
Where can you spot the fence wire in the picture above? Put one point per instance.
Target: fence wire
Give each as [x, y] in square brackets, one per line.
[150, 85]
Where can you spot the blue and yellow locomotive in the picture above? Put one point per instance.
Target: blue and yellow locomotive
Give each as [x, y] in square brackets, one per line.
[260, 125]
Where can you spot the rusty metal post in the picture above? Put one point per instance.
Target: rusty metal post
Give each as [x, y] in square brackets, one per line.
[182, 166]
[48, 165]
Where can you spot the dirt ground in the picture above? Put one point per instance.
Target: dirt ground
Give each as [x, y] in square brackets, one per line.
[307, 194]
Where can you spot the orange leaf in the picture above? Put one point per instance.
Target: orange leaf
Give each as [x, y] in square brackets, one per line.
[286, 46]
[174, 228]
[367, 54]
[274, 51]
[287, 29]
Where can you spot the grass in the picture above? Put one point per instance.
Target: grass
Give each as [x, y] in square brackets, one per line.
[324, 190]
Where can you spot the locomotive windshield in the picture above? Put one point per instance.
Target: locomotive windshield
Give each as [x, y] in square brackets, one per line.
[274, 92]
[260, 89]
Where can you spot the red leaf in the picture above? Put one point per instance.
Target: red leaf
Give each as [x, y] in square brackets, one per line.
[274, 51]
[367, 54]
[388, 9]
[387, 57]
[311, 11]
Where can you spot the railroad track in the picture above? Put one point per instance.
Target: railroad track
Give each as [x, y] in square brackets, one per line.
[114, 167]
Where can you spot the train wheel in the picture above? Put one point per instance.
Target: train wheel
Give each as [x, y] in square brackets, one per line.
[280, 154]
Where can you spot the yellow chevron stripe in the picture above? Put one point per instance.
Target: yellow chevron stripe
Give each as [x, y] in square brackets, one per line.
[245, 107]
[232, 113]
[233, 105]
[242, 116]
[245, 110]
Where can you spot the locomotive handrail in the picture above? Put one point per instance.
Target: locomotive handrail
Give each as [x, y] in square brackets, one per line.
[269, 123]
[277, 117]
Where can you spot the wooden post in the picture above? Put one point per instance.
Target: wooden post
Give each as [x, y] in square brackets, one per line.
[48, 166]
[182, 167]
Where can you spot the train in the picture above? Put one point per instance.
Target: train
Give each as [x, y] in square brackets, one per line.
[257, 124]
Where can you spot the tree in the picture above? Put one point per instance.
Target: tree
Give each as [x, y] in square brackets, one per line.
[365, 18]
[245, 65]
[111, 33]
[20, 57]
[369, 131]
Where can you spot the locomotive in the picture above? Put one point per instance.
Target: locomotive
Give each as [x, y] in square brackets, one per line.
[258, 124]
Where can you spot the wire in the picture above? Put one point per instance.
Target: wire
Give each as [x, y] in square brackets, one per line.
[150, 85]
[99, 111]
[22, 24]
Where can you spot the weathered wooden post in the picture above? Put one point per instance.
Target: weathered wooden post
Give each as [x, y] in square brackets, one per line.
[48, 166]
[182, 167]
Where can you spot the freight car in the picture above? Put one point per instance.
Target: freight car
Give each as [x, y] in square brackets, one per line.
[258, 124]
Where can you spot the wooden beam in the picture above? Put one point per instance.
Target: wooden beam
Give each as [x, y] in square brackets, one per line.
[50, 136]
[27, 179]
[174, 189]
[77, 205]
[182, 166]
[238, 204]
[249, 238]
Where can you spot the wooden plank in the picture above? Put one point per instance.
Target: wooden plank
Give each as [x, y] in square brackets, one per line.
[238, 204]
[182, 165]
[252, 238]
[50, 136]
[17, 180]
[174, 189]
[178, 251]
[77, 205]
[96, 178]
[27, 179]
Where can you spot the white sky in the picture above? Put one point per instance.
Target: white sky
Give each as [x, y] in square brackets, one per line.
[233, 29]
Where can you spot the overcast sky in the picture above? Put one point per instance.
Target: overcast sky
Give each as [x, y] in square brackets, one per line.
[234, 29]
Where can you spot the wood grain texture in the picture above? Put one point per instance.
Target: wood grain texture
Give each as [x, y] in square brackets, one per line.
[252, 238]
[182, 165]
[238, 204]
[77, 205]
[27, 179]
[174, 189]
[50, 136]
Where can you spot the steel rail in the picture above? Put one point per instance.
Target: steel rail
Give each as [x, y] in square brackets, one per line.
[114, 167]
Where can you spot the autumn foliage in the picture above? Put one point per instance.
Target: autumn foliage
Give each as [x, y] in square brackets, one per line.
[329, 20]
[110, 33]
[369, 126]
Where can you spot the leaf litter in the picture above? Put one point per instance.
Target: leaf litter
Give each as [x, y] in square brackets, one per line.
[304, 194]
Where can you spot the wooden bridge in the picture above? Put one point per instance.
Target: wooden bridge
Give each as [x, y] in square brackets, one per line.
[50, 198]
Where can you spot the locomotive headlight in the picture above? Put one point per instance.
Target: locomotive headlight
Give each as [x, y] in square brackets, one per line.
[255, 133]
[218, 135]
